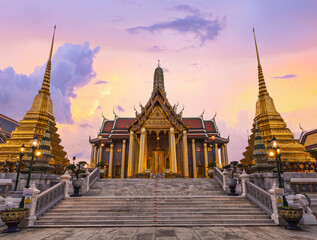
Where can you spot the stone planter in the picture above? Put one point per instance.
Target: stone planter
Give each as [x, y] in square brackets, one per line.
[77, 184]
[292, 216]
[232, 183]
[12, 217]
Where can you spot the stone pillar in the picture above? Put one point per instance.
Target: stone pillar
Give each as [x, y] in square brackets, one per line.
[194, 158]
[172, 144]
[32, 218]
[66, 178]
[185, 154]
[244, 177]
[92, 163]
[217, 155]
[206, 159]
[226, 154]
[225, 180]
[142, 150]
[123, 158]
[275, 193]
[110, 161]
[131, 139]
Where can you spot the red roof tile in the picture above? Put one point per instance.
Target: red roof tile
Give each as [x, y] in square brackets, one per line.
[108, 126]
[209, 126]
[193, 122]
[124, 122]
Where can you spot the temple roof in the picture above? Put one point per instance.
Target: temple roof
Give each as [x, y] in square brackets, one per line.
[156, 115]
[7, 125]
[309, 139]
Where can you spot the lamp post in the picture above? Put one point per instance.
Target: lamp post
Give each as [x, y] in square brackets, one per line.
[275, 151]
[22, 150]
[35, 153]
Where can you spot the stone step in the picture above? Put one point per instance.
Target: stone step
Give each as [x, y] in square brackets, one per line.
[158, 217]
[96, 213]
[224, 224]
[151, 221]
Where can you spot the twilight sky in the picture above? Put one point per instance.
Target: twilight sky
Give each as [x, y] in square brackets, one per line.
[105, 54]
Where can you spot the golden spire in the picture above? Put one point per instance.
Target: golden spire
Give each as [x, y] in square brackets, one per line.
[47, 76]
[262, 87]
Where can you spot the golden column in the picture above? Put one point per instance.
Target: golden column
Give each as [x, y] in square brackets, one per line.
[110, 161]
[222, 155]
[123, 158]
[217, 155]
[92, 163]
[96, 154]
[129, 173]
[100, 151]
[226, 154]
[206, 159]
[142, 150]
[172, 143]
[185, 154]
[194, 158]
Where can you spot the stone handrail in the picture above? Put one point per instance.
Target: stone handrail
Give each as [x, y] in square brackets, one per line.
[94, 175]
[259, 196]
[218, 175]
[49, 198]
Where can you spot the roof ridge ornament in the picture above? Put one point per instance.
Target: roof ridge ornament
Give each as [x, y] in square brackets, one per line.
[202, 114]
[115, 115]
[300, 126]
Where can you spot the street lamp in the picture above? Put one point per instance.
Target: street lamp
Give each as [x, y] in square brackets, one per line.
[275, 151]
[35, 153]
[22, 150]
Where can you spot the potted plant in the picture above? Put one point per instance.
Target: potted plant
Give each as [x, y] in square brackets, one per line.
[12, 217]
[79, 173]
[292, 215]
[232, 182]
[211, 170]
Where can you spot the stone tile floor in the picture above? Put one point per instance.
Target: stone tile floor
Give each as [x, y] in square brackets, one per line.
[163, 233]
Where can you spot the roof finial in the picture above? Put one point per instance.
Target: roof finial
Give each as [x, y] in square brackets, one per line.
[47, 76]
[50, 57]
[158, 63]
[256, 48]
[262, 86]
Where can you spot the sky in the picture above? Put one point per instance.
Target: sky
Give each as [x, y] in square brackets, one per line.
[105, 54]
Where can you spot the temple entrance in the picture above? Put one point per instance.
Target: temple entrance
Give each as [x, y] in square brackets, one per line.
[157, 162]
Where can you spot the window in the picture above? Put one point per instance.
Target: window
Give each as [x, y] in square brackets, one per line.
[107, 149]
[197, 149]
[209, 149]
[119, 149]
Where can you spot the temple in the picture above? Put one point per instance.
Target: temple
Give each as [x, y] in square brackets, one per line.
[272, 124]
[158, 141]
[35, 122]
[7, 125]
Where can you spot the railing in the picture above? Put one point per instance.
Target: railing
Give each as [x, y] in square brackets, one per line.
[259, 196]
[49, 198]
[94, 175]
[218, 176]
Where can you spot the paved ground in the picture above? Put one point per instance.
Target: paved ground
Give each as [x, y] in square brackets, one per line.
[164, 233]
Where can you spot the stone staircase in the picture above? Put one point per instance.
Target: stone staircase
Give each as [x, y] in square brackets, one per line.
[154, 202]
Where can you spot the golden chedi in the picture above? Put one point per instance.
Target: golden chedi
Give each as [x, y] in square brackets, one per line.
[272, 124]
[35, 122]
